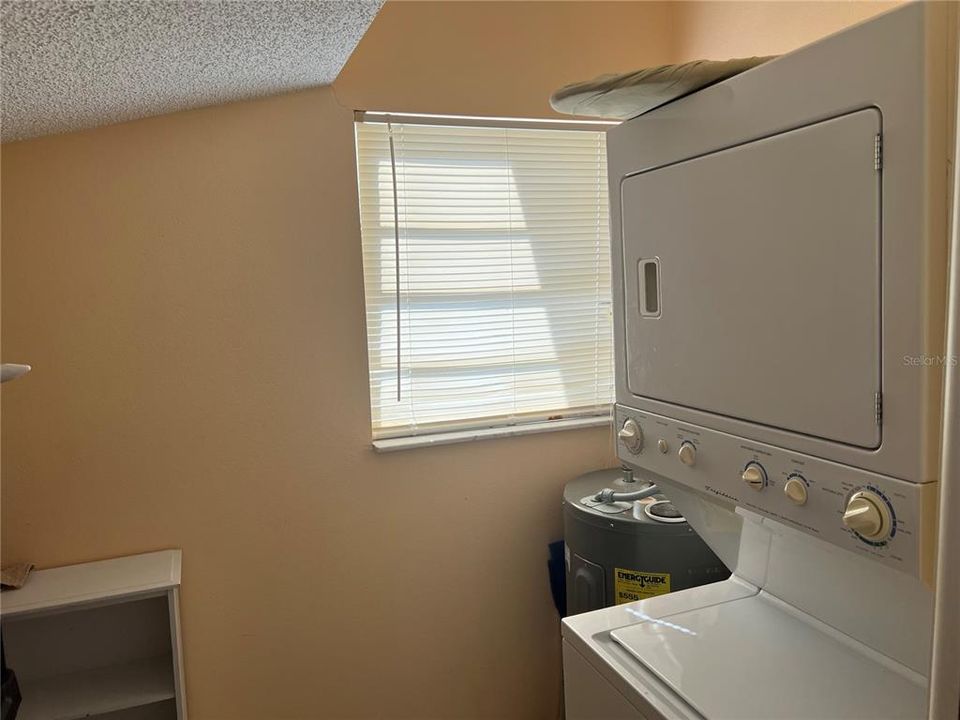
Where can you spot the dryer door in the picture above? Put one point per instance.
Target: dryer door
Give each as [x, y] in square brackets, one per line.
[752, 281]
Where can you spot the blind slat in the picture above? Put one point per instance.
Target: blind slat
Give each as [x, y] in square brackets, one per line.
[504, 275]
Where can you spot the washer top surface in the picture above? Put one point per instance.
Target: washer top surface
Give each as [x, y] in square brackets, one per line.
[755, 658]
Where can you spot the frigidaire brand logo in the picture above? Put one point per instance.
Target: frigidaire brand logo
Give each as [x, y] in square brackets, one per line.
[721, 493]
[644, 580]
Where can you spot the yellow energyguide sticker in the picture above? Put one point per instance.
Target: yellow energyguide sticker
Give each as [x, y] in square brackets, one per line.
[631, 585]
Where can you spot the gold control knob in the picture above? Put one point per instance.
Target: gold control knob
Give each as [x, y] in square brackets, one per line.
[754, 476]
[631, 436]
[687, 454]
[868, 515]
[796, 490]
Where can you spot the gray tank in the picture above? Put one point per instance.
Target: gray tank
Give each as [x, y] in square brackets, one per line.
[620, 551]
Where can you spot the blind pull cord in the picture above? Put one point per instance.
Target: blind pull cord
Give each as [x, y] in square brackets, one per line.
[396, 242]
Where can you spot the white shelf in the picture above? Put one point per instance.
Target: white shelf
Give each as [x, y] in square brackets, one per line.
[100, 639]
[93, 583]
[97, 691]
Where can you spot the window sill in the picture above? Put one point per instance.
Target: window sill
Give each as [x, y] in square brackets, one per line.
[447, 438]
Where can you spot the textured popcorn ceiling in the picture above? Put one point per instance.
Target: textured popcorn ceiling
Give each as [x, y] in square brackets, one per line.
[72, 65]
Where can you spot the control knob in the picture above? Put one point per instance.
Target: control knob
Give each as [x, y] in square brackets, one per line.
[868, 515]
[796, 490]
[687, 453]
[755, 476]
[631, 436]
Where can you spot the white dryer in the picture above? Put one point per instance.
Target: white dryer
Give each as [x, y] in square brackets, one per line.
[780, 262]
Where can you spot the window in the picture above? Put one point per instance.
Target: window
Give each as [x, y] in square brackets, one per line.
[486, 254]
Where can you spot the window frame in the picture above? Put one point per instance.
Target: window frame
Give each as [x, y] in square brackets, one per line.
[477, 430]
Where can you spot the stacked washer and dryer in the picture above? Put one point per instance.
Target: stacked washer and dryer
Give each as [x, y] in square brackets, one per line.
[780, 245]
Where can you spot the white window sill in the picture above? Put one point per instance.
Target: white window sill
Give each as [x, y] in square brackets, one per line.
[447, 438]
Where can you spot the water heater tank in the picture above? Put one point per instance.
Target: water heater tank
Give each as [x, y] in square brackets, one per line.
[625, 551]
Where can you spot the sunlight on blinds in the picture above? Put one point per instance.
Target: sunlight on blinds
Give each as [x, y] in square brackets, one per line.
[504, 300]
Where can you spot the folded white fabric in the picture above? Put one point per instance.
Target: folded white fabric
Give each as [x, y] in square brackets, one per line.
[630, 94]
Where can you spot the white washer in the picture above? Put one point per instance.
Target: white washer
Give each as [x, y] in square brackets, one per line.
[734, 651]
[779, 259]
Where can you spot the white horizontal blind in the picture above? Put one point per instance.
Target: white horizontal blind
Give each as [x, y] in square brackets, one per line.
[503, 305]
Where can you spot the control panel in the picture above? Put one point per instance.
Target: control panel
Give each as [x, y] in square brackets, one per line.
[869, 514]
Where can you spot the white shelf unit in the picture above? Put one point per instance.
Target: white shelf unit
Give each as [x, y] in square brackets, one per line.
[98, 640]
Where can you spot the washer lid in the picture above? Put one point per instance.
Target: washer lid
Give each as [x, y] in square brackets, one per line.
[759, 658]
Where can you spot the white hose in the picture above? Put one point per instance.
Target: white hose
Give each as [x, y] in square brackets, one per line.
[608, 495]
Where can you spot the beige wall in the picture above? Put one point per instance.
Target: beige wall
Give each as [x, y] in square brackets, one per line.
[189, 291]
[740, 29]
[498, 58]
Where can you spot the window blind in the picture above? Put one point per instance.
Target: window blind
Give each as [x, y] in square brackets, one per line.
[486, 256]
